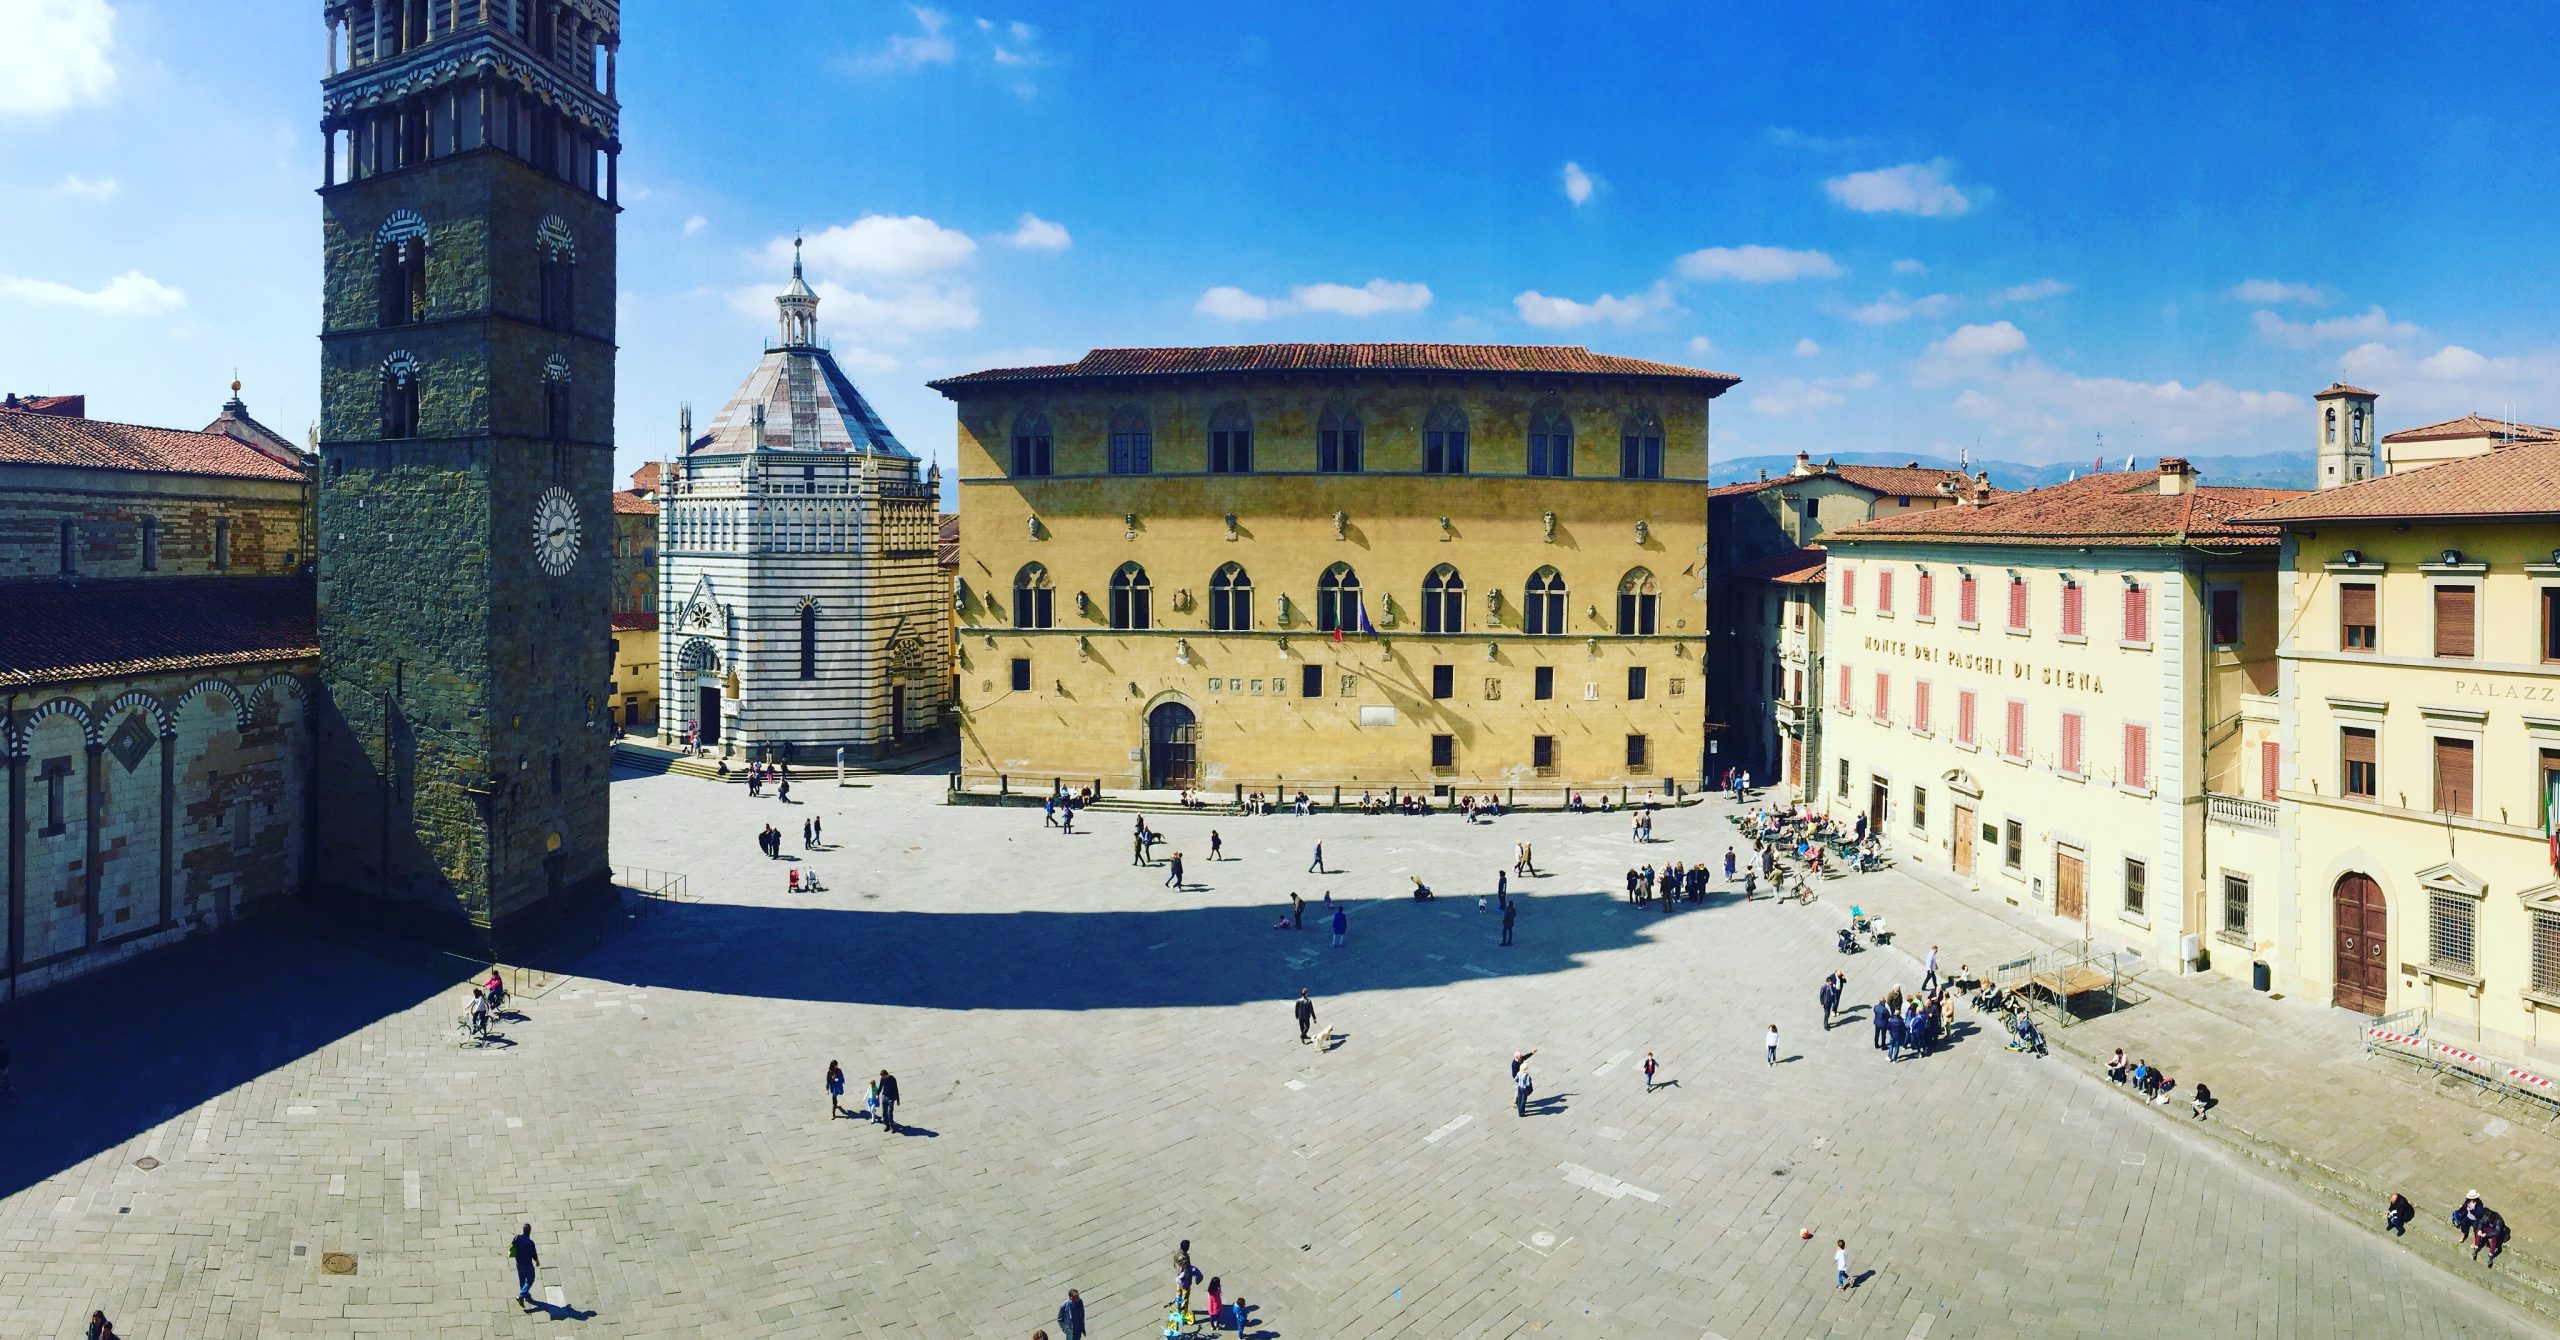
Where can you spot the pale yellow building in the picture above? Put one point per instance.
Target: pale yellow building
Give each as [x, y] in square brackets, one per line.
[1443, 567]
[2421, 660]
[2065, 697]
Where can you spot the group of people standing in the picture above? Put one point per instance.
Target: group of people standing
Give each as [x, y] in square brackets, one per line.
[880, 1104]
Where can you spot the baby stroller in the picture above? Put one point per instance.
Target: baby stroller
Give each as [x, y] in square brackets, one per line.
[2027, 1038]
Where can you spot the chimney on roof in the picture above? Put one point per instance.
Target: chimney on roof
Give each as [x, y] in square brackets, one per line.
[1831, 465]
[2176, 476]
[1981, 489]
[1946, 488]
[1804, 463]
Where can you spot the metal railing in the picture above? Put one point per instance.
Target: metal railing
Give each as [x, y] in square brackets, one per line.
[2256, 816]
[652, 889]
[2403, 1035]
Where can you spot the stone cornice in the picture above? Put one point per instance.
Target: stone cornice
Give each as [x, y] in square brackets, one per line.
[444, 62]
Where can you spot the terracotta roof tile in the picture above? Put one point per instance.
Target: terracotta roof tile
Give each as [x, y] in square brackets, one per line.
[2111, 509]
[2337, 389]
[1529, 358]
[2473, 425]
[94, 444]
[1790, 567]
[2518, 481]
[1900, 481]
[628, 503]
[635, 621]
[947, 551]
[66, 632]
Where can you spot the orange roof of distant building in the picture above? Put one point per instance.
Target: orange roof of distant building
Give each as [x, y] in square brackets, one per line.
[2118, 508]
[2337, 389]
[95, 444]
[635, 621]
[2474, 425]
[1901, 481]
[1791, 567]
[947, 552]
[628, 503]
[1559, 359]
[2519, 481]
[61, 406]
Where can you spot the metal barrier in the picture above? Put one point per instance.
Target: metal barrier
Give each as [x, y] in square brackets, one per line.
[653, 888]
[2403, 1035]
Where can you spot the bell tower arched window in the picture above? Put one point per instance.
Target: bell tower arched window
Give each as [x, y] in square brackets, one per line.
[400, 252]
[1542, 605]
[1639, 604]
[1444, 601]
[1338, 600]
[1132, 598]
[1444, 441]
[400, 395]
[555, 398]
[809, 639]
[1231, 600]
[558, 277]
[1034, 602]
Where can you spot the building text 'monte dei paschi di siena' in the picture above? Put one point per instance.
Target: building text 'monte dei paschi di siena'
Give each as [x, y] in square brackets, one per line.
[1371, 566]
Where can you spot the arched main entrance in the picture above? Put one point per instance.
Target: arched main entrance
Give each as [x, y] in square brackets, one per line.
[1173, 747]
[2364, 966]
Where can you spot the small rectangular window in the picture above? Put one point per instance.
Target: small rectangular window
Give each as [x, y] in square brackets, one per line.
[2226, 616]
[2452, 928]
[2137, 757]
[2456, 621]
[222, 543]
[2357, 630]
[2015, 746]
[1543, 683]
[1884, 591]
[1964, 716]
[2137, 880]
[2357, 774]
[1231, 451]
[2546, 953]
[1919, 809]
[2074, 609]
[1444, 753]
[2017, 604]
[1638, 751]
[1640, 456]
[57, 784]
[1031, 457]
[1968, 600]
[1311, 681]
[2550, 624]
[2137, 614]
[1884, 696]
[1021, 673]
[1845, 702]
[1926, 597]
[1848, 588]
[2071, 765]
[1843, 783]
[2235, 906]
[2453, 776]
[1920, 694]
[1444, 681]
[1444, 451]
[1338, 451]
[1542, 754]
[1635, 683]
[2013, 846]
[151, 544]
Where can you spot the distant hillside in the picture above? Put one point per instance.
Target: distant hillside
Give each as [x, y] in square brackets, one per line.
[2279, 469]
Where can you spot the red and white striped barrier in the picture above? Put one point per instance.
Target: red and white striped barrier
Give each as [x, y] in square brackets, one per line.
[2523, 1077]
[2460, 1055]
[2386, 1035]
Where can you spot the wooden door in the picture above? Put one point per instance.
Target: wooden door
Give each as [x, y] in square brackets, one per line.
[1795, 761]
[1964, 840]
[1173, 758]
[2364, 969]
[1878, 800]
[2070, 885]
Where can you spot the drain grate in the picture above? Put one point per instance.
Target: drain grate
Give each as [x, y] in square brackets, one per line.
[146, 1163]
[337, 1263]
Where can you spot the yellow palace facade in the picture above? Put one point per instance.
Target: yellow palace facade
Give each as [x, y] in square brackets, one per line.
[1454, 568]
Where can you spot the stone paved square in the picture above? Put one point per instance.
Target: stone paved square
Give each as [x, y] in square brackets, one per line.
[1096, 1065]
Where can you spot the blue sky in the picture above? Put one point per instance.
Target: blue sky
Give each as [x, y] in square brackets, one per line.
[2005, 227]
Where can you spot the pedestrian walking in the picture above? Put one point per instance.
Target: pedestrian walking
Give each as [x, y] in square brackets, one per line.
[1830, 1000]
[1772, 1043]
[1067, 820]
[100, 1328]
[1509, 911]
[1315, 865]
[1840, 1263]
[1929, 979]
[1217, 849]
[1501, 888]
[835, 1090]
[1173, 879]
[1520, 1086]
[871, 1102]
[783, 792]
[1650, 1065]
[817, 831]
[888, 1102]
[1184, 1273]
[1071, 1317]
[1750, 884]
[1728, 865]
[1341, 925]
[528, 1258]
[1049, 811]
[1138, 847]
[1306, 1015]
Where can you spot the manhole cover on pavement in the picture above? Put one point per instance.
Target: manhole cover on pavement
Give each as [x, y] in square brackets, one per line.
[337, 1263]
[146, 1163]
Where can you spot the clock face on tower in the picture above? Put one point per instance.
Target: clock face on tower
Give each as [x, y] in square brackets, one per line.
[555, 531]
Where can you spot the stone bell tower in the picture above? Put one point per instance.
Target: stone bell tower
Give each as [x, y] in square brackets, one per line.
[467, 324]
[2347, 434]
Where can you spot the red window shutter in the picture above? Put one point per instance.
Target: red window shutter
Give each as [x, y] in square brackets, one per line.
[2137, 757]
[2017, 602]
[1928, 595]
[1968, 601]
[1884, 696]
[1848, 588]
[2270, 769]
[1884, 592]
[2071, 596]
[2017, 742]
[1844, 704]
[1920, 707]
[1964, 716]
[2137, 614]
[2071, 743]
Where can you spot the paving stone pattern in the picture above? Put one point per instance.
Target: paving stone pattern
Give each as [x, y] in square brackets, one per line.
[1095, 1065]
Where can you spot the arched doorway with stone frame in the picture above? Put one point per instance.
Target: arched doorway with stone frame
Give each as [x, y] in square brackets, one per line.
[1172, 731]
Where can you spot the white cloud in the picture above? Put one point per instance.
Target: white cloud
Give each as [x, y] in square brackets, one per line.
[893, 312]
[1792, 395]
[1911, 188]
[861, 359]
[695, 224]
[1756, 264]
[2276, 290]
[132, 293]
[1788, 137]
[2372, 324]
[1577, 184]
[2051, 412]
[1700, 346]
[2456, 380]
[1893, 307]
[55, 55]
[1908, 266]
[1229, 303]
[1033, 233]
[102, 190]
[1539, 309]
[1806, 348]
[881, 244]
[1995, 340]
[1975, 404]
[2036, 291]
[929, 44]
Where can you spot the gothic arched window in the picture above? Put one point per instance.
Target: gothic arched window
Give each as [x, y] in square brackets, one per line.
[1640, 446]
[399, 395]
[1338, 447]
[555, 397]
[1131, 596]
[400, 252]
[1133, 442]
[1542, 608]
[1034, 603]
[1231, 440]
[1031, 443]
[1639, 604]
[1231, 600]
[2329, 426]
[558, 272]
[1444, 441]
[1550, 441]
[809, 638]
[1338, 600]
[1444, 601]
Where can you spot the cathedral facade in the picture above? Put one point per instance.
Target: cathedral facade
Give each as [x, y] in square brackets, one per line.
[802, 606]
